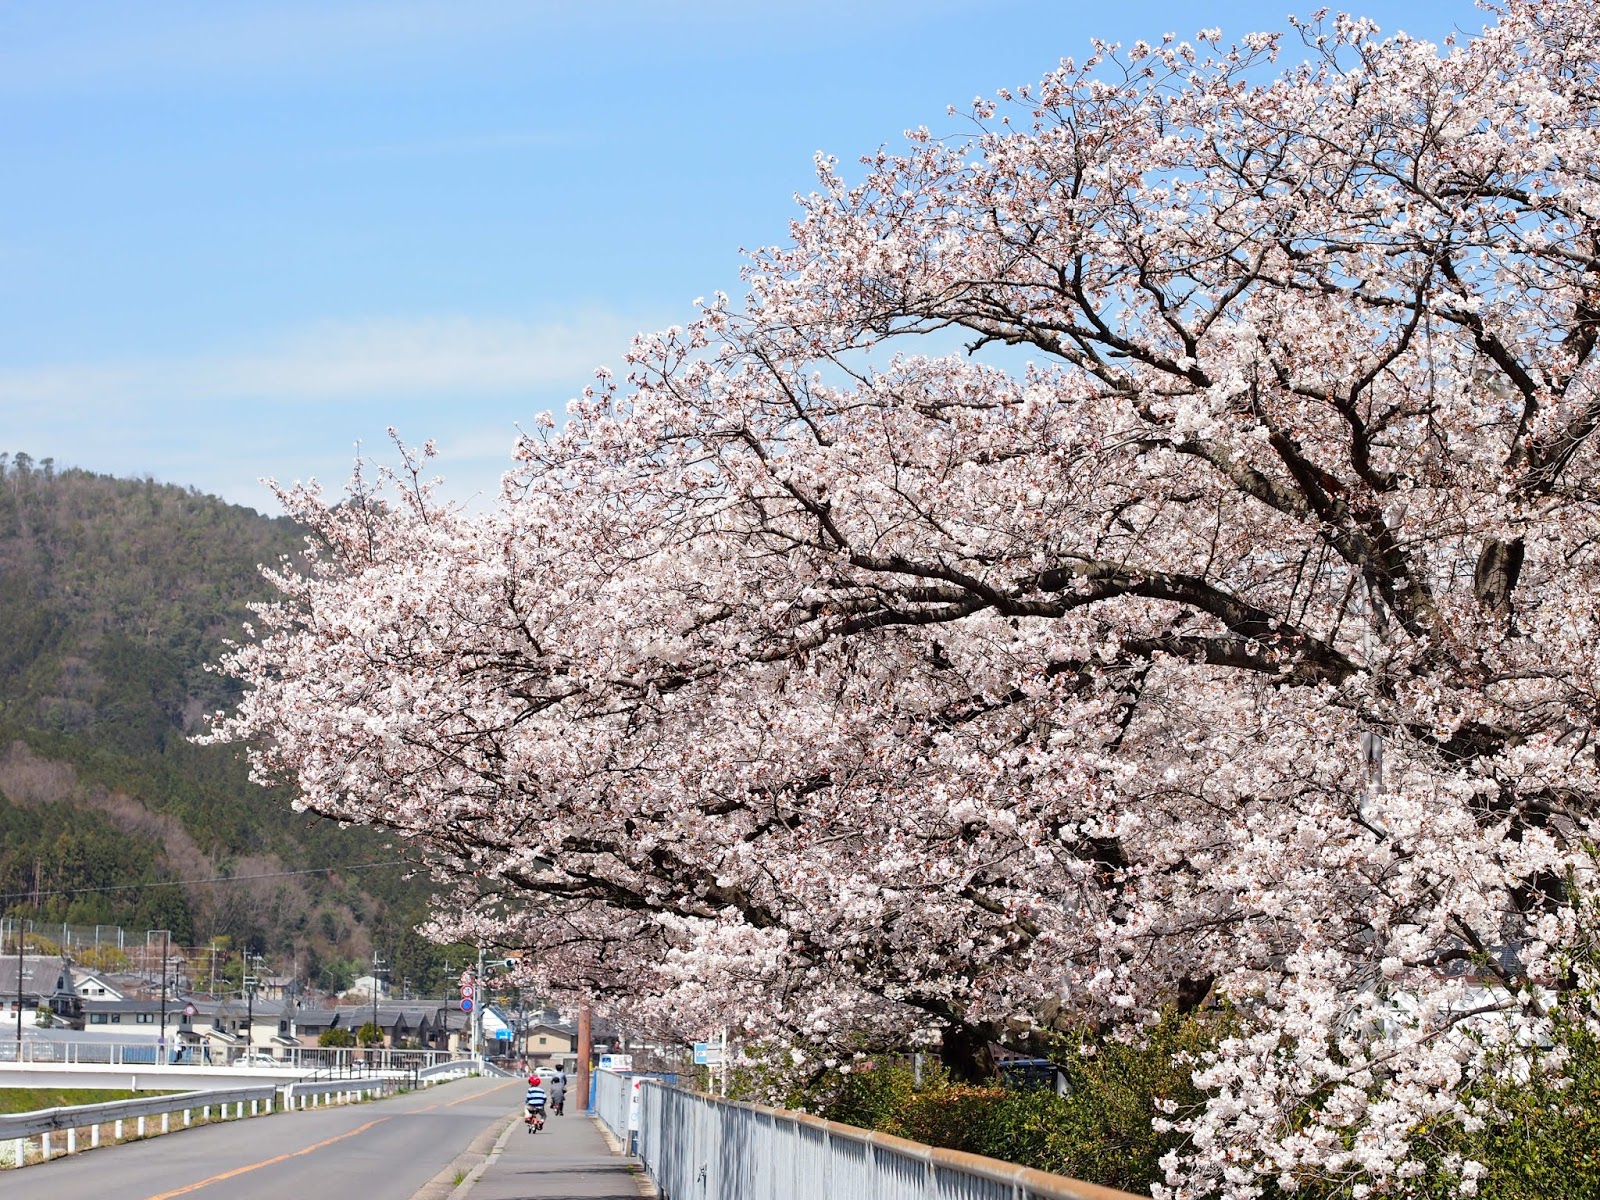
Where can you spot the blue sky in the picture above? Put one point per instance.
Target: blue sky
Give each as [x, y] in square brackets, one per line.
[238, 238]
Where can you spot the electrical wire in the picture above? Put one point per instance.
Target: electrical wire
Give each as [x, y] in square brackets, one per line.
[8, 898]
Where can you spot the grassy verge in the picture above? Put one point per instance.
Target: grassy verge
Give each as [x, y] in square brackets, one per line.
[20, 1100]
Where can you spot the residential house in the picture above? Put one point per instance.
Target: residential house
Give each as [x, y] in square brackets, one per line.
[239, 1026]
[547, 1044]
[309, 1024]
[40, 984]
[91, 985]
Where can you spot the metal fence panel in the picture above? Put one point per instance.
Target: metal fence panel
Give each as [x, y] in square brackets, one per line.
[702, 1148]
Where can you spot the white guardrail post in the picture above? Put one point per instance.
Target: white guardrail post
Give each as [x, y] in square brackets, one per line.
[17, 1128]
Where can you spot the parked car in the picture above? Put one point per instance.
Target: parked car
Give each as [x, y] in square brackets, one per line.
[256, 1060]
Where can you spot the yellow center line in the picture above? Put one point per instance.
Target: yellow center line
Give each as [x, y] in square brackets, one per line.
[266, 1162]
[497, 1088]
[463, 1099]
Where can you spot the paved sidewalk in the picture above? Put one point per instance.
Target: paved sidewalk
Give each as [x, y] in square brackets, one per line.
[568, 1161]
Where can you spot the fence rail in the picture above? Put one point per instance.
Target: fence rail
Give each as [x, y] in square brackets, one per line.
[701, 1148]
[81, 1116]
[17, 1129]
[611, 1100]
[41, 1048]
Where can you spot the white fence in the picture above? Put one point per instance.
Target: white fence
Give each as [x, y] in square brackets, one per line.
[74, 1048]
[700, 1148]
[57, 1129]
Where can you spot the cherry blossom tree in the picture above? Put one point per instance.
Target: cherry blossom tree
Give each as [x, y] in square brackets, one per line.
[1145, 549]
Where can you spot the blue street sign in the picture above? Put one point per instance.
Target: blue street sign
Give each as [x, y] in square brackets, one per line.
[707, 1054]
[466, 1004]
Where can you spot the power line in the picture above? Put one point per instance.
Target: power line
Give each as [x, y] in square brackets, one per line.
[6, 898]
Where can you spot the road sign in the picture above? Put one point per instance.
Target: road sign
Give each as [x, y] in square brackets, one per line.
[189, 1010]
[466, 1004]
[707, 1054]
[468, 991]
[616, 1062]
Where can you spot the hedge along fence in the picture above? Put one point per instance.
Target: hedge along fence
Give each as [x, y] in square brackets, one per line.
[32, 1137]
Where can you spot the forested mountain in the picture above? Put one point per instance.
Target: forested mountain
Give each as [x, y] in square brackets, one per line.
[114, 594]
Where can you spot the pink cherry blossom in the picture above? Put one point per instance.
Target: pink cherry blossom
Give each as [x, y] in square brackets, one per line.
[1221, 616]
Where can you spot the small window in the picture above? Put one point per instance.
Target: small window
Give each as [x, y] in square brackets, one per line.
[145, 1018]
[283, 1027]
[116, 1018]
[544, 1041]
[97, 1018]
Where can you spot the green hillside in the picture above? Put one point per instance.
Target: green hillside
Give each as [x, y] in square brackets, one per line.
[114, 594]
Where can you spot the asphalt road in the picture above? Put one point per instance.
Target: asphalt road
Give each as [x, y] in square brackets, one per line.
[383, 1150]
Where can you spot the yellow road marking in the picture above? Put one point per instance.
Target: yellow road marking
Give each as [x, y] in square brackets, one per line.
[463, 1099]
[266, 1162]
[480, 1095]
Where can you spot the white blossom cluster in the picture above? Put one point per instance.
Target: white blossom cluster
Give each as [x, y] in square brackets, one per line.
[1224, 623]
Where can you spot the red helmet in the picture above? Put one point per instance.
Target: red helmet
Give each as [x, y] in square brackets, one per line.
[533, 1080]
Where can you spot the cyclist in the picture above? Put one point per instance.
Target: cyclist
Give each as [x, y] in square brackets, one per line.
[558, 1093]
[533, 1104]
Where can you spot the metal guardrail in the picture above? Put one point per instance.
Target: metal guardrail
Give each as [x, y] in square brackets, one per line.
[80, 1116]
[17, 1128]
[702, 1148]
[315, 1092]
[441, 1071]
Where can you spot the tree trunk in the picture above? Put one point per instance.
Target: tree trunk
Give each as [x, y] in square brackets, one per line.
[965, 1052]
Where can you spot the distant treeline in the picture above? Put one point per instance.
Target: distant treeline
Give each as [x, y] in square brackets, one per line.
[114, 594]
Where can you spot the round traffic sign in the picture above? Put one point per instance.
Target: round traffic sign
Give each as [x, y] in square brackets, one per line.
[189, 1010]
[466, 1004]
[468, 991]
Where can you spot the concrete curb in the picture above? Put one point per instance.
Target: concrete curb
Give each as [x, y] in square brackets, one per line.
[472, 1161]
[646, 1185]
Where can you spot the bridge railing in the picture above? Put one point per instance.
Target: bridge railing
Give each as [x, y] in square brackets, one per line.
[39, 1048]
[612, 1095]
[710, 1149]
[16, 1129]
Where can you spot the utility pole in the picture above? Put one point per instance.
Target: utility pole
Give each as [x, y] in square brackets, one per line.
[585, 1052]
[377, 965]
[249, 964]
[16, 929]
[161, 1039]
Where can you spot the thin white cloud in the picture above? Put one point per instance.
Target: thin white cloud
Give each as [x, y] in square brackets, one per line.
[111, 44]
[443, 357]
